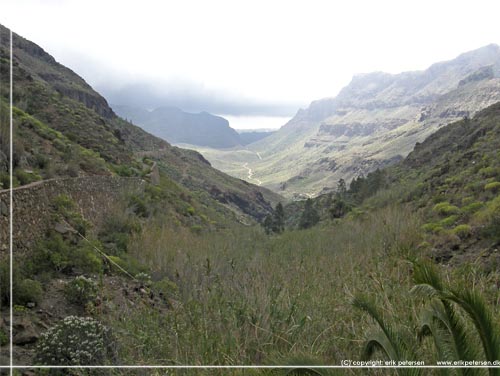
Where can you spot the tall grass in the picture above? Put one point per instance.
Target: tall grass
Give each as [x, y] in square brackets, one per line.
[246, 298]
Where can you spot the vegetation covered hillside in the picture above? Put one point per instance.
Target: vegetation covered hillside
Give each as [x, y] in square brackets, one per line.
[63, 128]
[452, 179]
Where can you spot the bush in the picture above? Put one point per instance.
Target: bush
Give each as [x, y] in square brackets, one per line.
[144, 278]
[445, 208]
[4, 339]
[165, 288]
[25, 177]
[138, 205]
[449, 221]
[81, 290]
[75, 341]
[462, 231]
[492, 187]
[66, 207]
[56, 254]
[26, 291]
[434, 228]
[492, 229]
[472, 207]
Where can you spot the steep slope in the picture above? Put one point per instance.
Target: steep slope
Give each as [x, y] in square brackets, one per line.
[179, 127]
[374, 121]
[452, 180]
[63, 128]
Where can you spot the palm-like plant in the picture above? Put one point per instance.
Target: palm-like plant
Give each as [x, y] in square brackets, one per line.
[444, 319]
[395, 345]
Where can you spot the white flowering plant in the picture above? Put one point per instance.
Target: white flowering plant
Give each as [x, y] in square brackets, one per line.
[75, 341]
[81, 290]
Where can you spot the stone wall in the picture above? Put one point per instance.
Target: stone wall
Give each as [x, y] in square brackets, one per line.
[32, 205]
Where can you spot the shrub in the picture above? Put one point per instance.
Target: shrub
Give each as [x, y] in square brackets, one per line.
[138, 205]
[144, 278]
[434, 228]
[75, 341]
[26, 291]
[488, 172]
[492, 187]
[445, 208]
[472, 207]
[492, 229]
[130, 264]
[81, 290]
[449, 221]
[4, 339]
[165, 288]
[66, 207]
[56, 254]
[462, 231]
[25, 177]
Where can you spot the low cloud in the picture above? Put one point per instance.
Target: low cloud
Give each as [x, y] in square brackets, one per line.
[191, 97]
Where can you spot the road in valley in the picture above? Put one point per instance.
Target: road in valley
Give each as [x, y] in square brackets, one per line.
[250, 174]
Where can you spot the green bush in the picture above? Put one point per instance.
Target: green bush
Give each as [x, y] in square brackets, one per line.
[165, 288]
[67, 208]
[492, 187]
[462, 231]
[472, 207]
[488, 172]
[26, 291]
[75, 341]
[445, 208]
[81, 290]
[139, 206]
[449, 221]
[434, 228]
[130, 264]
[55, 254]
[4, 338]
[115, 232]
[25, 177]
[492, 229]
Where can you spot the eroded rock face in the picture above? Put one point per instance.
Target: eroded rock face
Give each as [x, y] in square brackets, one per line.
[375, 120]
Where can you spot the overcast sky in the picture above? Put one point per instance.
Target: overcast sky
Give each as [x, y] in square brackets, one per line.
[249, 59]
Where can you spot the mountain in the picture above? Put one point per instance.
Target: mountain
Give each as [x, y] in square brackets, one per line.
[179, 127]
[373, 122]
[63, 128]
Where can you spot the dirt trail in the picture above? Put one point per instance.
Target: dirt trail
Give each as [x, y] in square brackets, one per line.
[250, 174]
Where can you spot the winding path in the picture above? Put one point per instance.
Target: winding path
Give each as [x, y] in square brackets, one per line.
[250, 174]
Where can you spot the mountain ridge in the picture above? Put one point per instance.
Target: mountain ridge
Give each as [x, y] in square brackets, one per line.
[373, 121]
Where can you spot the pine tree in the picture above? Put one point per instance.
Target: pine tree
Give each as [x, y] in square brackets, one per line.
[279, 219]
[268, 224]
[309, 216]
